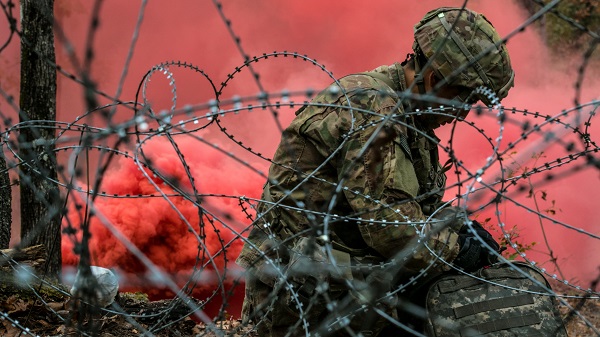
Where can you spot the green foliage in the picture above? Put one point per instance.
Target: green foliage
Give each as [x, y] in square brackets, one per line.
[511, 238]
[561, 35]
[136, 298]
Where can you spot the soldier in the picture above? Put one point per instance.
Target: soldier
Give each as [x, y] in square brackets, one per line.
[356, 182]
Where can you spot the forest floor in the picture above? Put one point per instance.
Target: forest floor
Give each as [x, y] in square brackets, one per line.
[27, 317]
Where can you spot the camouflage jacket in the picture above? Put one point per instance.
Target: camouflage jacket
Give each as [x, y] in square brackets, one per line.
[340, 165]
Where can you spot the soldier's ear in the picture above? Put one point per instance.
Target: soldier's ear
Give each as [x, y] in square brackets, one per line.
[429, 80]
[433, 80]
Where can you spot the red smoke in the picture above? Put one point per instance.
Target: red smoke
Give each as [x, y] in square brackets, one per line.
[157, 227]
[349, 36]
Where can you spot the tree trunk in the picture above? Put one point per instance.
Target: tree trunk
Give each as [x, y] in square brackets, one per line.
[5, 204]
[40, 199]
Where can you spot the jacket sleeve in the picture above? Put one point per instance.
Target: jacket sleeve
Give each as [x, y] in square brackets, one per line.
[378, 179]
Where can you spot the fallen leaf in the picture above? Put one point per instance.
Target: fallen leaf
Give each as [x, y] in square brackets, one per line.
[19, 305]
[55, 306]
[197, 330]
[11, 330]
[43, 323]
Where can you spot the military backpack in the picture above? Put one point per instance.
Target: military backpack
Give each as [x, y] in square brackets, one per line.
[500, 300]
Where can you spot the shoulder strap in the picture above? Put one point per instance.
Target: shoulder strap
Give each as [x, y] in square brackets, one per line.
[385, 79]
[397, 82]
[381, 77]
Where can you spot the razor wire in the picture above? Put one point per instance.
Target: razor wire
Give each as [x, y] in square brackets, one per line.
[557, 145]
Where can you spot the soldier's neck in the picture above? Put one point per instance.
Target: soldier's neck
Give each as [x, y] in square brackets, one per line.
[409, 76]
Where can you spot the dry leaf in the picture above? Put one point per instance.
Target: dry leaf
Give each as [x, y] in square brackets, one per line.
[11, 331]
[56, 306]
[19, 305]
[43, 323]
[61, 329]
[196, 330]
[8, 304]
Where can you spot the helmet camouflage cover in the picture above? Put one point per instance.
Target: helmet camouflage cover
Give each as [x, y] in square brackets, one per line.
[455, 38]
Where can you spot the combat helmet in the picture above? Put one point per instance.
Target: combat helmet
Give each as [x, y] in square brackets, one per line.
[464, 49]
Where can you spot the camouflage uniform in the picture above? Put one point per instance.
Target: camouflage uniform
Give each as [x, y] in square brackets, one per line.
[328, 143]
[343, 156]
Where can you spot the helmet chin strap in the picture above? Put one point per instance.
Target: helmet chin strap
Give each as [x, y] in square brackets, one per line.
[419, 77]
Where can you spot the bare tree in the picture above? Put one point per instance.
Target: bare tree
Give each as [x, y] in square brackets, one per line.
[5, 204]
[40, 199]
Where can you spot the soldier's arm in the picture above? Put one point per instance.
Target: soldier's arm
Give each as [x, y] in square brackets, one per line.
[379, 181]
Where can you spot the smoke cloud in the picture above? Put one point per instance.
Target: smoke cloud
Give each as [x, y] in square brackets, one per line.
[167, 230]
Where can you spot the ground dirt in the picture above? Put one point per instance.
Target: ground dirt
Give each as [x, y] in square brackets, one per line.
[164, 318]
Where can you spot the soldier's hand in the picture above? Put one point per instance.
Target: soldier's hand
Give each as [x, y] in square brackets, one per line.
[474, 254]
[482, 233]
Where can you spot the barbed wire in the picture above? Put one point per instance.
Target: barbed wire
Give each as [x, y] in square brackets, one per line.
[146, 185]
